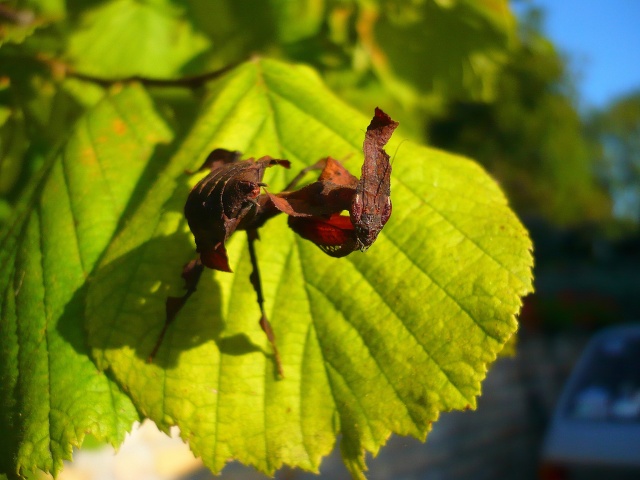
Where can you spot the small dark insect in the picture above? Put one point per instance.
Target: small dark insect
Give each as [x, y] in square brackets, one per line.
[229, 199]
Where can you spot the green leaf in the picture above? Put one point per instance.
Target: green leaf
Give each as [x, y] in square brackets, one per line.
[438, 46]
[155, 39]
[52, 393]
[297, 20]
[371, 344]
[16, 25]
[13, 144]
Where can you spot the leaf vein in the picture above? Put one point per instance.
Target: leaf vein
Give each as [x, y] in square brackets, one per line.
[447, 219]
[279, 288]
[326, 363]
[442, 289]
[74, 215]
[216, 422]
[307, 339]
[326, 125]
[409, 330]
[103, 173]
[46, 336]
[373, 357]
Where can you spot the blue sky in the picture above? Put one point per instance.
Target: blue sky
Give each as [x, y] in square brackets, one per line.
[602, 41]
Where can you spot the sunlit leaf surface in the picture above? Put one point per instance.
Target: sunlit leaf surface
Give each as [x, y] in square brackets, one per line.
[371, 344]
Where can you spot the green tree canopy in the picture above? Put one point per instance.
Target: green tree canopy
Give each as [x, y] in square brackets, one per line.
[530, 136]
[618, 129]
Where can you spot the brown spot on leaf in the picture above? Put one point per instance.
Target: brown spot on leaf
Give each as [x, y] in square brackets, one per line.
[119, 127]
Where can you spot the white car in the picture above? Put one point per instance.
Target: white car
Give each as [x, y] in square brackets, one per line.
[595, 430]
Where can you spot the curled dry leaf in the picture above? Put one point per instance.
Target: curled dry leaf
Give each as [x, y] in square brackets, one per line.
[371, 207]
[229, 199]
[314, 211]
[224, 201]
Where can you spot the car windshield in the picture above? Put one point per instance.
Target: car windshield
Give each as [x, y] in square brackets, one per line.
[608, 389]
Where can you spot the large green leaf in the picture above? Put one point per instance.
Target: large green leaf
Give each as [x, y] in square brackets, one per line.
[371, 344]
[52, 393]
[151, 38]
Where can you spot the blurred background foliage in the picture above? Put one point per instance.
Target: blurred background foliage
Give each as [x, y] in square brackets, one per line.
[462, 75]
[531, 136]
[618, 129]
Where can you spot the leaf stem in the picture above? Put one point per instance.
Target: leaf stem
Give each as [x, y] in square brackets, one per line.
[61, 68]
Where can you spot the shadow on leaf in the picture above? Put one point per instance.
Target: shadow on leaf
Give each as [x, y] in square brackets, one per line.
[126, 306]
